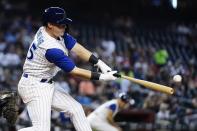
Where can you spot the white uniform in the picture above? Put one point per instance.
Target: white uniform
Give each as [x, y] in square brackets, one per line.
[98, 118]
[40, 97]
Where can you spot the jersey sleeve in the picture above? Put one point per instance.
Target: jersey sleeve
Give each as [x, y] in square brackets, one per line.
[69, 41]
[57, 57]
[113, 107]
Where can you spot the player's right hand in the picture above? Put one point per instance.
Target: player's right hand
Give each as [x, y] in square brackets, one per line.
[108, 76]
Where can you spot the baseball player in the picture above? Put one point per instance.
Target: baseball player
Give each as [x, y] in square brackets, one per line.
[48, 54]
[102, 119]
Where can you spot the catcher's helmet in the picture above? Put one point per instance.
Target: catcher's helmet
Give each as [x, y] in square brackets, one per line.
[55, 15]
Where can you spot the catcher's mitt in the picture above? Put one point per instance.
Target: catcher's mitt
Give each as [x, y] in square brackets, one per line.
[8, 106]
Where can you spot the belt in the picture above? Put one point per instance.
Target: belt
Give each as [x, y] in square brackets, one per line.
[42, 80]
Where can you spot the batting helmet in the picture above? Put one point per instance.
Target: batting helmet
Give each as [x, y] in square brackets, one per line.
[56, 15]
[125, 98]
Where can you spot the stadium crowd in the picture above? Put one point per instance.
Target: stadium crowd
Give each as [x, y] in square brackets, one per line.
[146, 52]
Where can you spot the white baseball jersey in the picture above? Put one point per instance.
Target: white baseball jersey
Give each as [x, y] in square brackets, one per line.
[102, 111]
[98, 118]
[36, 64]
[42, 96]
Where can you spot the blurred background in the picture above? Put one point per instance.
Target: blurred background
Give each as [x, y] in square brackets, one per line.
[147, 39]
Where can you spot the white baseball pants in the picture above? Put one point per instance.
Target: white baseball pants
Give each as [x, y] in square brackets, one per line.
[40, 98]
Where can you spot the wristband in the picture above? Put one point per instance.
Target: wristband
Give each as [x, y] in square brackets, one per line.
[95, 76]
[93, 59]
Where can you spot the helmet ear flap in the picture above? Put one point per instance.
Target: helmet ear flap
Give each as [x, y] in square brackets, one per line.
[67, 28]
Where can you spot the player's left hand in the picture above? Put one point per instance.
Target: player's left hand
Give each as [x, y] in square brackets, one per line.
[108, 76]
[103, 67]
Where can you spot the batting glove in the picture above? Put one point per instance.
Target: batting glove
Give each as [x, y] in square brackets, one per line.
[103, 67]
[108, 76]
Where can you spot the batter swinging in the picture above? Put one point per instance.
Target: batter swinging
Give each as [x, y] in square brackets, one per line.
[47, 54]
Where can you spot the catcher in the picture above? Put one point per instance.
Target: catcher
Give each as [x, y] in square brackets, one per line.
[8, 106]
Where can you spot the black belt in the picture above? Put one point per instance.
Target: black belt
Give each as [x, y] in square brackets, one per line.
[42, 80]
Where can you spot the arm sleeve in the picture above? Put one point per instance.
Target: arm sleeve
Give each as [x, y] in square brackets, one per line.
[57, 57]
[112, 107]
[69, 41]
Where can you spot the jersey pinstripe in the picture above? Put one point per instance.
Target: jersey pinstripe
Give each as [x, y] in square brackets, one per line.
[36, 64]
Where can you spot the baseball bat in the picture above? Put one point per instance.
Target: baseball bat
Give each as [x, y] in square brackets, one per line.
[150, 85]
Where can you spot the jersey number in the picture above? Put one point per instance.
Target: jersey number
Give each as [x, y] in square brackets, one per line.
[30, 53]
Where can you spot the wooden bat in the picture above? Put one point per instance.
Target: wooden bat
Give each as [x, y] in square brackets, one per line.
[151, 85]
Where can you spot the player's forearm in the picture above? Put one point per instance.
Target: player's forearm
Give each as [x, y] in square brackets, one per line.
[88, 56]
[110, 118]
[111, 121]
[82, 52]
[93, 75]
[81, 73]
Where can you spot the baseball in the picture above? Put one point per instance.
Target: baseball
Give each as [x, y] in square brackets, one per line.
[177, 78]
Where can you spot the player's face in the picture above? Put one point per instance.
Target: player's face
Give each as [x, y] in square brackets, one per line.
[56, 30]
